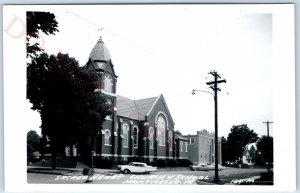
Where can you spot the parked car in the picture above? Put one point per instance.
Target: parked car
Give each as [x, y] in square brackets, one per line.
[136, 167]
[199, 167]
[212, 167]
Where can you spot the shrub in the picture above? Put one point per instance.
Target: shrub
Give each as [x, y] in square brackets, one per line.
[184, 162]
[104, 163]
[135, 159]
[171, 163]
[153, 163]
[161, 163]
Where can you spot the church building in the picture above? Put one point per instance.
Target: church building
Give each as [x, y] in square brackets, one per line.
[142, 128]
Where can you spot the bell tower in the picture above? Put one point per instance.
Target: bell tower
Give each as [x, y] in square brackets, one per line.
[101, 62]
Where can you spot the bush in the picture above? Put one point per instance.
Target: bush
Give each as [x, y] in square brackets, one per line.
[161, 163]
[184, 163]
[153, 163]
[171, 163]
[104, 163]
[135, 159]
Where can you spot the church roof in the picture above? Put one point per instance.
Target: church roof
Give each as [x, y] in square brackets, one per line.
[134, 109]
[100, 52]
[177, 136]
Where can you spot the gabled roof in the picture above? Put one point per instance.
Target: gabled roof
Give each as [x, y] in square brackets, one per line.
[134, 109]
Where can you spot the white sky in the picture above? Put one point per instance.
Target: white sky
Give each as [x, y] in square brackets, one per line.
[170, 50]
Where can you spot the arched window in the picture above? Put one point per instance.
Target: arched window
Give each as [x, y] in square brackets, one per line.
[161, 128]
[125, 129]
[170, 140]
[107, 135]
[151, 136]
[107, 83]
[135, 137]
[181, 144]
[186, 146]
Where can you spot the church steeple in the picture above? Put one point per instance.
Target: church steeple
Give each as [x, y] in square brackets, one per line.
[100, 55]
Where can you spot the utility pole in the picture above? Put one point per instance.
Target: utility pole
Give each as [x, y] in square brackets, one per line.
[214, 86]
[268, 123]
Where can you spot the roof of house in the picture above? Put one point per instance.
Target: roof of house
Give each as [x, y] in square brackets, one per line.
[134, 109]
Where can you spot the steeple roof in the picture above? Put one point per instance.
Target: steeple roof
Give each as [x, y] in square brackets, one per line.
[100, 52]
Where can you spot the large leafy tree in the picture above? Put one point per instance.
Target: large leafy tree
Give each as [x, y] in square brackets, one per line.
[238, 138]
[265, 149]
[65, 96]
[33, 143]
[38, 22]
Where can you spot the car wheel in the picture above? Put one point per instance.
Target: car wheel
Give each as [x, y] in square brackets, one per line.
[126, 171]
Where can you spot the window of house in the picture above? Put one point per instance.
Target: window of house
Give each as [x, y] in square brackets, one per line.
[135, 137]
[161, 127]
[170, 140]
[181, 145]
[151, 136]
[107, 135]
[125, 129]
[186, 146]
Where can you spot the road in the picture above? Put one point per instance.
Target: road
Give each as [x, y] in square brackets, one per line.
[160, 177]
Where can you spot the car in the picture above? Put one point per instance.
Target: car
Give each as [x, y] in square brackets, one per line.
[136, 167]
[212, 167]
[199, 167]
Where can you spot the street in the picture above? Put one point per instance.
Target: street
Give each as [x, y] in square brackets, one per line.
[187, 177]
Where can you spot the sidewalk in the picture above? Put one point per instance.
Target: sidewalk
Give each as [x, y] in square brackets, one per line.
[65, 171]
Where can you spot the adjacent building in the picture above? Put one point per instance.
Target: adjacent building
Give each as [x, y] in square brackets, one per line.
[202, 147]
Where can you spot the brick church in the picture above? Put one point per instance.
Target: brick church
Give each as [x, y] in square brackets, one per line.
[142, 128]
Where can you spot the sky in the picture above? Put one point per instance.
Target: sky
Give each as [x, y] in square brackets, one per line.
[170, 50]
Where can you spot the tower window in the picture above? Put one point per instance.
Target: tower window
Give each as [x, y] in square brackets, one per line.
[107, 83]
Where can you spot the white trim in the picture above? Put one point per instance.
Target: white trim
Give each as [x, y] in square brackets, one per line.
[115, 134]
[107, 93]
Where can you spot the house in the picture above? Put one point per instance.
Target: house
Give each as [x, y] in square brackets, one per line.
[249, 154]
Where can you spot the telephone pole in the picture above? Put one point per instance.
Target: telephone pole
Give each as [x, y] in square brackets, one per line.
[268, 123]
[214, 86]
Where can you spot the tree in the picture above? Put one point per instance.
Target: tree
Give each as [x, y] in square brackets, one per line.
[237, 139]
[63, 94]
[33, 143]
[265, 149]
[36, 22]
